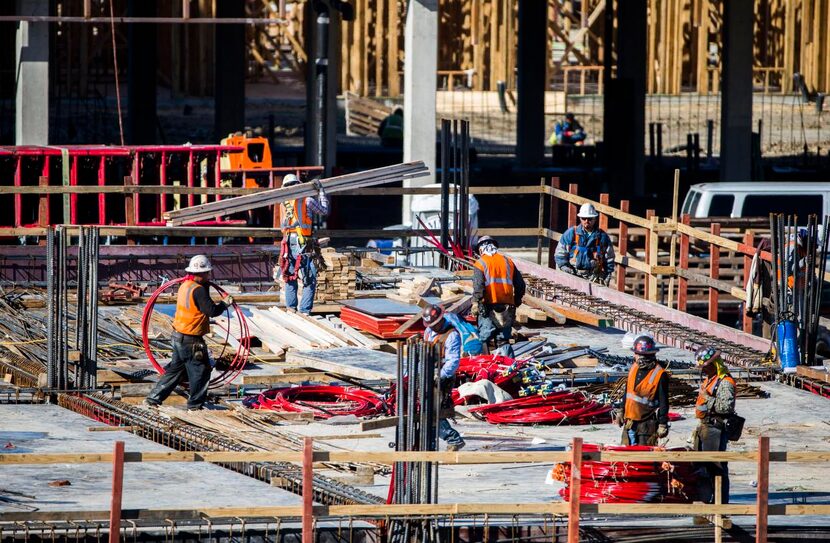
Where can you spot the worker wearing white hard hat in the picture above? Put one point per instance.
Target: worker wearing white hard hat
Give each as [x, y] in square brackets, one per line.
[299, 252]
[194, 308]
[585, 250]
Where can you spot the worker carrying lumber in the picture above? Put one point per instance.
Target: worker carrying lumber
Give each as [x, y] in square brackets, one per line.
[585, 250]
[390, 129]
[718, 423]
[194, 308]
[498, 289]
[646, 413]
[456, 338]
[300, 256]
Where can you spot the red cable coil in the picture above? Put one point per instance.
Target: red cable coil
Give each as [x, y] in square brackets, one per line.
[557, 408]
[239, 360]
[324, 401]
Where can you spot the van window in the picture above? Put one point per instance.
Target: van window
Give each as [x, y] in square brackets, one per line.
[761, 205]
[691, 202]
[721, 205]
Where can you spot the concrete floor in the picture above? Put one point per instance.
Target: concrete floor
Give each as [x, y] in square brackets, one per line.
[52, 429]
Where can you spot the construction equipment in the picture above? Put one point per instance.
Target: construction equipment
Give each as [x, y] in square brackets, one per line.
[255, 156]
[116, 292]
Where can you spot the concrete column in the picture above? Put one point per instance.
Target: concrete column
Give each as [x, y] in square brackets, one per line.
[736, 92]
[530, 125]
[229, 72]
[32, 89]
[625, 101]
[141, 76]
[420, 82]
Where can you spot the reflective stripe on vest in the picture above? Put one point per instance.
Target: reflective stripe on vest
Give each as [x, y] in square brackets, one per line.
[641, 398]
[188, 319]
[708, 387]
[498, 278]
[299, 219]
[574, 257]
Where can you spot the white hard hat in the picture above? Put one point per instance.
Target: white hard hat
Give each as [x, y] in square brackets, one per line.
[289, 180]
[587, 211]
[198, 264]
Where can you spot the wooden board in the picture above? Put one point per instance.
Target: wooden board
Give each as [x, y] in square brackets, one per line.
[816, 373]
[349, 361]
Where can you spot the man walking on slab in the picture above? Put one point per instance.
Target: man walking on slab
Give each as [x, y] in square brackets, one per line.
[299, 252]
[194, 308]
[646, 415]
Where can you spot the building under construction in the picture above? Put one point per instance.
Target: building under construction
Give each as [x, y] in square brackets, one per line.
[136, 136]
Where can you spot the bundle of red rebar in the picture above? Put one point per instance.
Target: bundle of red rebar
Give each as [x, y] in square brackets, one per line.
[324, 401]
[630, 482]
[558, 408]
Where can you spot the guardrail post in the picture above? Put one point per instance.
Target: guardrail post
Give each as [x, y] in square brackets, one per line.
[682, 282]
[129, 206]
[575, 490]
[603, 218]
[541, 221]
[308, 490]
[573, 188]
[622, 248]
[749, 240]
[653, 241]
[762, 501]
[714, 273]
[553, 220]
[117, 489]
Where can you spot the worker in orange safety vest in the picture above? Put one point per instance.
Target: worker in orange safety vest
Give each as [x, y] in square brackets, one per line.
[715, 404]
[646, 413]
[194, 308]
[498, 289]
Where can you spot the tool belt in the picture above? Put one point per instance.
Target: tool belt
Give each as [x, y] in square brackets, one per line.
[503, 315]
[310, 249]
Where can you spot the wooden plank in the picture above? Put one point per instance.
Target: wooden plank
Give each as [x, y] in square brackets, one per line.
[652, 241]
[683, 283]
[377, 424]
[581, 316]
[117, 490]
[813, 373]
[288, 378]
[549, 309]
[575, 490]
[112, 428]
[308, 490]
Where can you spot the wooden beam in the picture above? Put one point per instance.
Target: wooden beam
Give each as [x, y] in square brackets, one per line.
[117, 490]
[575, 490]
[762, 499]
[308, 490]
[547, 307]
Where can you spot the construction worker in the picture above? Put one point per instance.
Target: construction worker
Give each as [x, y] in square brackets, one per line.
[715, 404]
[299, 252]
[646, 414]
[585, 250]
[457, 338]
[498, 289]
[194, 308]
[391, 129]
[568, 132]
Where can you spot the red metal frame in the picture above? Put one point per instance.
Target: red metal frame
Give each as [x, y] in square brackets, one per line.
[106, 155]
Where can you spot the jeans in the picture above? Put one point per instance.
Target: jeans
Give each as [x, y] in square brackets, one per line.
[448, 433]
[711, 437]
[190, 358]
[308, 274]
[488, 330]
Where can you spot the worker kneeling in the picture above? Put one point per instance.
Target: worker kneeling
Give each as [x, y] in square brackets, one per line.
[456, 338]
[646, 415]
[194, 308]
[718, 423]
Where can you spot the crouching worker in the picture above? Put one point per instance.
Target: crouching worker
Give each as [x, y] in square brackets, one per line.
[456, 338]
[194, 308]
[715, 406]
[646, 415]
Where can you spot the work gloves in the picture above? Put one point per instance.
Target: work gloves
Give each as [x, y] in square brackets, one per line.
[475, 309]
[228, 300]
[662, 431]
[317, 184]
[567, 268]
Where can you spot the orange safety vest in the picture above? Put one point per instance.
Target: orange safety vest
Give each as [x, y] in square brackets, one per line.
[641, 398]
[708, 387]
[498, 278]
[188, 319]
[298, 218]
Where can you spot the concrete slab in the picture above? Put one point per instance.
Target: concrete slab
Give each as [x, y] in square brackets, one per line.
[52, 429]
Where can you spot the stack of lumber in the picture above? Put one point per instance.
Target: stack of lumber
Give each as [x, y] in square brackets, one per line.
[337, 282]
[410, 291]
[280, 330]
[364, 115]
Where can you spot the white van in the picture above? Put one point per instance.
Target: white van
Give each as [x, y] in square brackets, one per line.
[758, 199]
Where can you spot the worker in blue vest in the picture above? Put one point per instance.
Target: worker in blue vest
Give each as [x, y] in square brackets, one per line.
[391, 129]
[456, 338]
[299, 252]
[585, 250]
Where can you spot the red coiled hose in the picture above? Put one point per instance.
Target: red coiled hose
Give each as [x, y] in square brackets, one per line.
[324, 401]
[558, 408]
[239, 360]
